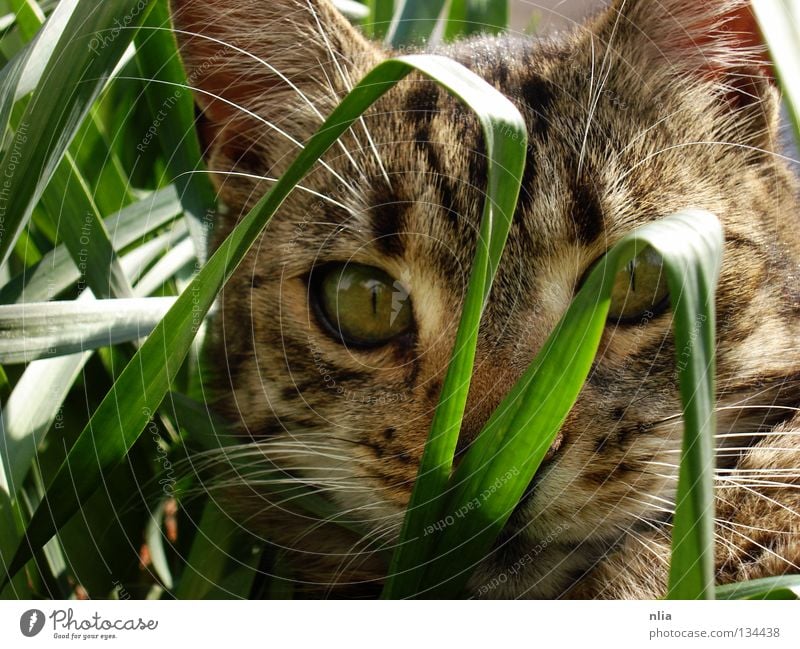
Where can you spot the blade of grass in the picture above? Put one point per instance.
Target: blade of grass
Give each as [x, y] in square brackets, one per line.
[12, 73]
[238, 583]
[11, 527]
[413, 22]
[53, 551]
[56, 271]
[139, 259]
[43, 330]
[141, 387]
[784, 587]
[26, 250]
[22, 74]
[154, 536]
[28, 15]
[468, 17]
[172, 107]
[206, 429]
[780, 24]
[68, 195]
[112, 187]
[691, 572]
[507, 140]
[352, 10]
[7, 21]
[99, 164]
[22, 428]
[281, 584]
[179, 257]
[380, 17]
[5, 386]
[75, 74]
[209, 554]
[500, 464]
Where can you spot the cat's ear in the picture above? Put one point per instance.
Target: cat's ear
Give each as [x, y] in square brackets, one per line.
[717, 40]
[254, 60]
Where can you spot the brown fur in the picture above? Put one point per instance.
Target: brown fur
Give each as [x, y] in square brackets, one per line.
[649, 108]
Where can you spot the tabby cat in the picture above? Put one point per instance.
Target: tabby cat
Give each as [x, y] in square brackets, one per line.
[333, 337]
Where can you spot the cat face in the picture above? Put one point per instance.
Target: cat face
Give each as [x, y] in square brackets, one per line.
[333, 337]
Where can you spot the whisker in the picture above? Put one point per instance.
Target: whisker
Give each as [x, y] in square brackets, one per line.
[589, 111]
[736, 145]
[220, 172]
[255, 116]
[379, 541]
[768, 499]
[596, 94]
[271, 68]
[649, 545]
[347, 82]
[751, 407]
[763, 547]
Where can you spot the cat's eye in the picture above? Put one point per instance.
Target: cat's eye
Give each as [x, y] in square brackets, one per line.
[361, 305]
[640, 289]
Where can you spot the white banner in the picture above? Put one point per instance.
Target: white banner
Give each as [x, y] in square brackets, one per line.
[386, 625]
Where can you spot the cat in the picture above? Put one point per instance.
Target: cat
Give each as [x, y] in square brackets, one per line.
[334, 335]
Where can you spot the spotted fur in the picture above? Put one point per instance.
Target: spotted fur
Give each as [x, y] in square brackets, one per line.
[648, 108]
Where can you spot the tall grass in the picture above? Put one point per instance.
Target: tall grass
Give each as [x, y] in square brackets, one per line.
[104, 222]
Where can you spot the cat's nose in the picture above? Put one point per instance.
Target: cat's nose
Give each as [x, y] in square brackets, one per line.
[491, 382]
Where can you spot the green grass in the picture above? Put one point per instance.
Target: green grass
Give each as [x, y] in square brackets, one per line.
[87, 421]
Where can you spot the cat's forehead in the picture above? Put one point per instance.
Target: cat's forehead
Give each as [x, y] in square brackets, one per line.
[422, 160]
[600, 159]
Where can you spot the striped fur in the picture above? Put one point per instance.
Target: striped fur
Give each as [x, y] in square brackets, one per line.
[648, 108]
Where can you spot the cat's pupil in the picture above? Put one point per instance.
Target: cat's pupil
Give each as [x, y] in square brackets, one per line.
[640, 289]
[360, 305]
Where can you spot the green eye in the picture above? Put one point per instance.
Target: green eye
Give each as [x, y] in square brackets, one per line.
[361, 305]
[640, 289]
